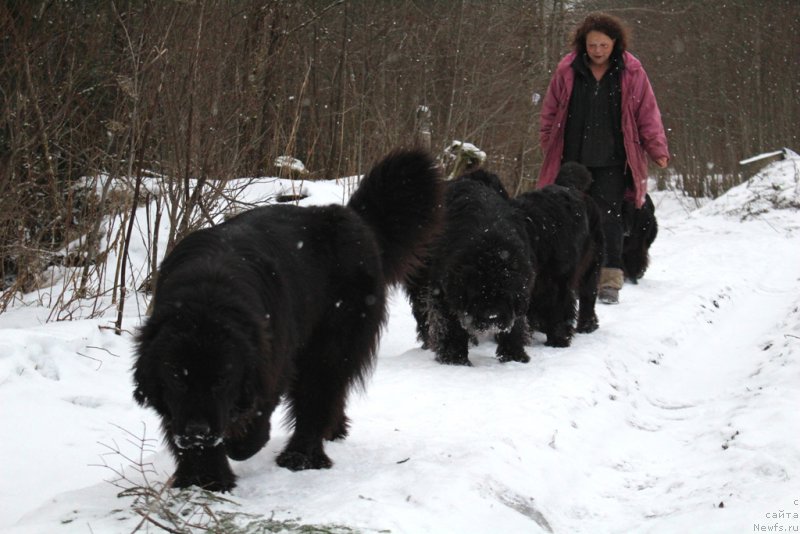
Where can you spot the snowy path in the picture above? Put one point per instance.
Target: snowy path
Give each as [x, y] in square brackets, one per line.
[680, 414]
[699, 360]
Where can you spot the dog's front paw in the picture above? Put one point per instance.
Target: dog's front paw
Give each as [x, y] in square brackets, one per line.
[218, 482]
[560, 335]
[587, 326]
[299, 461]
[205, 468]
[558, 341]
[453, 360]
[520, 357]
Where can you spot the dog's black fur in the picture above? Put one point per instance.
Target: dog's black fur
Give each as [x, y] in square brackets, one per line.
[575, 176]
[641, 230]
[478, 276]
[566, 242]
[278, 301]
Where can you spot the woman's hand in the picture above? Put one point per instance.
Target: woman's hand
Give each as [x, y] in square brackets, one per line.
[662, 162]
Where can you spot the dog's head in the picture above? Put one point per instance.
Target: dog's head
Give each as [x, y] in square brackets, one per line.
[198, 369]
[574, 175]
[489, 288]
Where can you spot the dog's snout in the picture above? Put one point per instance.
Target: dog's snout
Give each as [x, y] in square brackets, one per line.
[489, 319]
[196, 433]
[496, 316]
[197, 428]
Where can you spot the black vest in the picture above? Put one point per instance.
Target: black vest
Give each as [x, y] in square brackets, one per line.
[593, 133]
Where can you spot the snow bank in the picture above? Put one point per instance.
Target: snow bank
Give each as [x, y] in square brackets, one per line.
[776, 187]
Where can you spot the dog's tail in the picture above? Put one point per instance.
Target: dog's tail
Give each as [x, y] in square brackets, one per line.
[573, 174]
[400, 198]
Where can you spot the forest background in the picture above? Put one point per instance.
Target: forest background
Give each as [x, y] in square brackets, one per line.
[99, 96]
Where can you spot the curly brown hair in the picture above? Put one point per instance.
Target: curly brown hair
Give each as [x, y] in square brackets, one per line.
[603, 23]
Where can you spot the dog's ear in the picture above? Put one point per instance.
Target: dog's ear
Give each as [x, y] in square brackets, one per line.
[258, 383]
[145, 386]
[139, 382]
[145, 379]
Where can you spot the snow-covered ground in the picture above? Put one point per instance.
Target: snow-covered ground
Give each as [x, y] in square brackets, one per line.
[680, 414]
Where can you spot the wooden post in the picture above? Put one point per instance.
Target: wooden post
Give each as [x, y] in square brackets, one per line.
[423, 130]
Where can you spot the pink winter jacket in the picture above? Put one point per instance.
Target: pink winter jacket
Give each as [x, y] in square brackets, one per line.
[642, 129]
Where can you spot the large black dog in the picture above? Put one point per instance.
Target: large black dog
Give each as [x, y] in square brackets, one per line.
[278, 301]
[477, 277]
[641, 230]
[566, 242]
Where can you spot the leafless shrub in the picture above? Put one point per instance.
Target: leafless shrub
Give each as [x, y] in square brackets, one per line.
[189, 510]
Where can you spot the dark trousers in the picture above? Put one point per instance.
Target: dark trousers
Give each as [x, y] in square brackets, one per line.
[608, 190]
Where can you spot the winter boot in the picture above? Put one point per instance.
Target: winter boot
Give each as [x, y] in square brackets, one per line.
[609, 285]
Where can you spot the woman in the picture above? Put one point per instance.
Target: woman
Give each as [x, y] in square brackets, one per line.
[600, 111]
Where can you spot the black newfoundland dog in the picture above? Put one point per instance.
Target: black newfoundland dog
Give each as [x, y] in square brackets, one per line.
[641, 230]
[477, 277]
[280, 301]
[566, 243]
